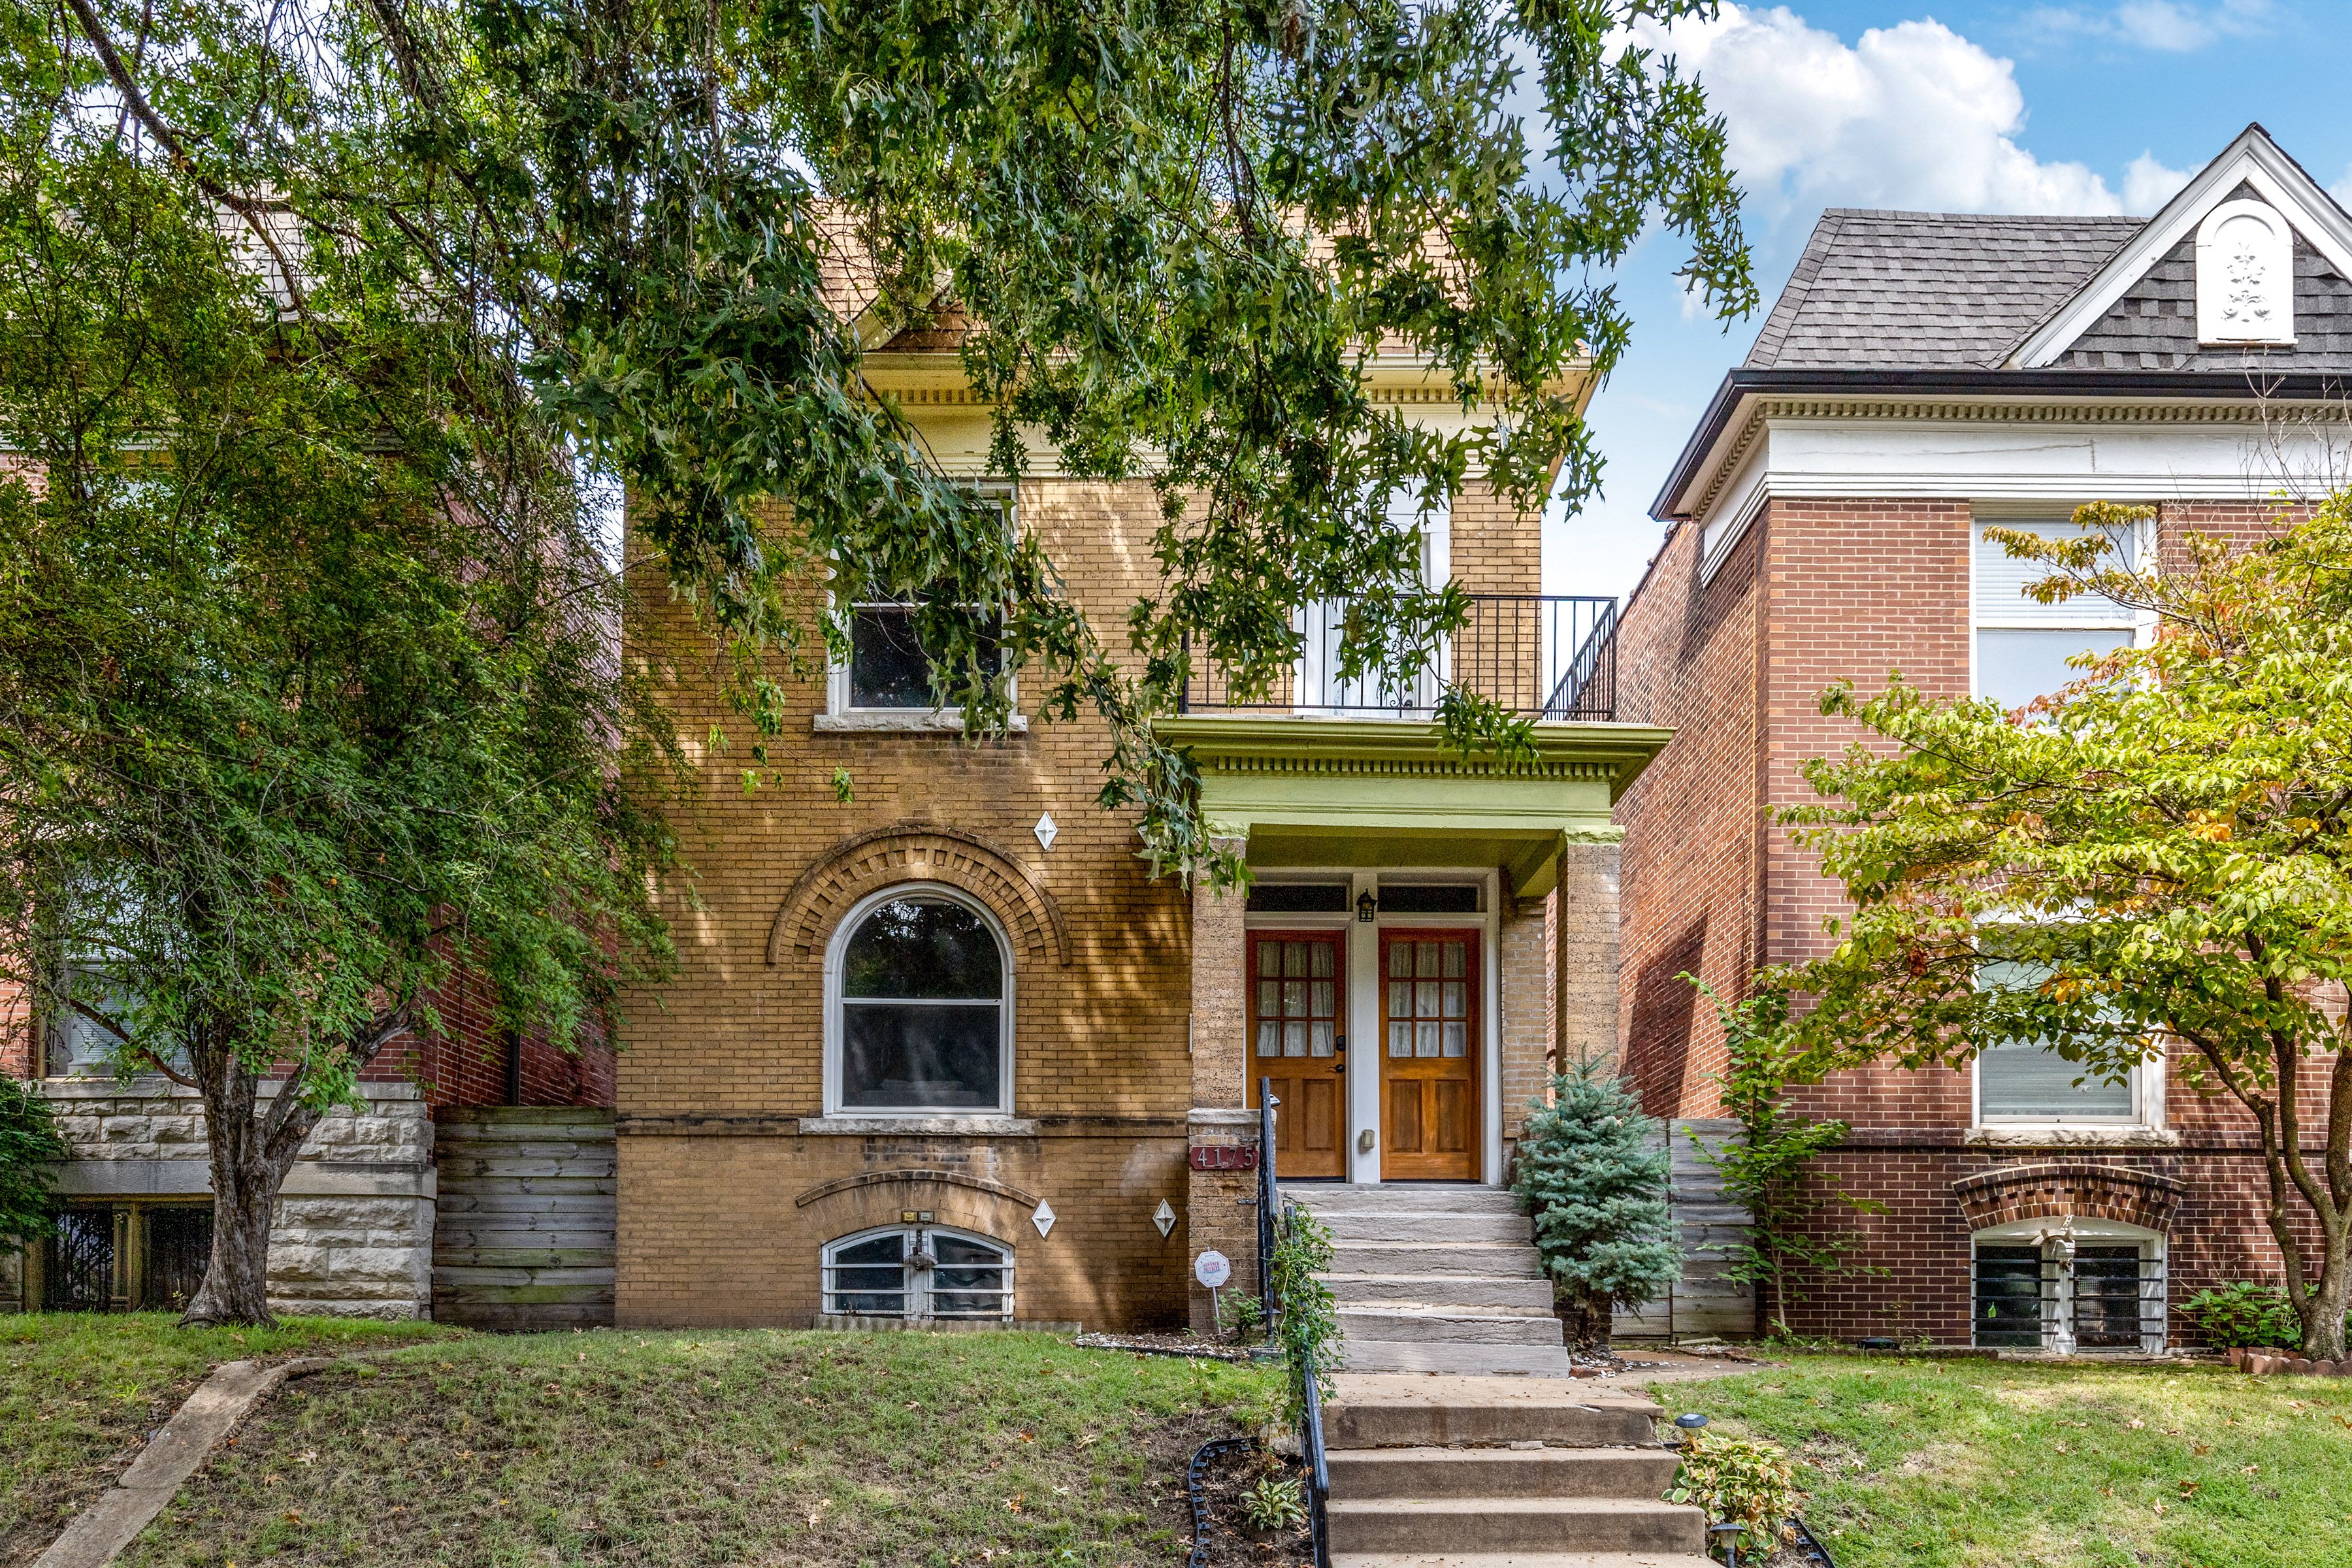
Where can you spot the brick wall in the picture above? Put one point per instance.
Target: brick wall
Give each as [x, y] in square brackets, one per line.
[1820, 591]
[710, 1229]
[1688, 659]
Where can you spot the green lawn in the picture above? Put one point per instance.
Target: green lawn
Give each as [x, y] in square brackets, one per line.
[79, 1392]
[1970, 1463]
[718, 1447]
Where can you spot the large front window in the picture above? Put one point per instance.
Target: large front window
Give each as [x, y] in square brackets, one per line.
[2030, 1081]
[921, 1007]
[918, 1272]
[2022, 646]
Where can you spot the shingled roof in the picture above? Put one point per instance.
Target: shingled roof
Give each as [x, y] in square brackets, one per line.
[1928, 291]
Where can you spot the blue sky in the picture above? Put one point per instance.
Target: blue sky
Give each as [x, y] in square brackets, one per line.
[2096, 106]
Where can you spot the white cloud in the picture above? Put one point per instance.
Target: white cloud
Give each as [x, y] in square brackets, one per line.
[2149, 185]
[1908, 116]
[2342, 189]
[2168, 26]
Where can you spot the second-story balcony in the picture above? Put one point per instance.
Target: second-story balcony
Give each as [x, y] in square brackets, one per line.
[1549, 657]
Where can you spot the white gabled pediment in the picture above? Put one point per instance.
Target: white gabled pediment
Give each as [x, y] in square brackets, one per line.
[2245, 273]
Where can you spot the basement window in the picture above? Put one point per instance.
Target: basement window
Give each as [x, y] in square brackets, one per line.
[912, 1272]
[2065, 1287]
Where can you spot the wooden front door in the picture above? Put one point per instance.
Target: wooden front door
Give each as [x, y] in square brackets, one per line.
[1428, 1055]
[1298, 1040]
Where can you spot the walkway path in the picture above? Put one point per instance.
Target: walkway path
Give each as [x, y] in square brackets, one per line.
[169, 1457]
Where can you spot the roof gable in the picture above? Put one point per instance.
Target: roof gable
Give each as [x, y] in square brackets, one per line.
[2113, 302]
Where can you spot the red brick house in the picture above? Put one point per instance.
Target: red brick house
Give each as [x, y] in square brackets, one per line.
[1921, 375]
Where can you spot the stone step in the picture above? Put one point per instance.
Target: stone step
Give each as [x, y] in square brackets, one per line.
[1515, 1524]
[1365, 1409]
[1520, 1560]
[1441, 1290]
[1446, 1325]
[1470, 1361]
[1431, 1225]
[1486, 1259]
[1365, 1473]
[1390, 1197]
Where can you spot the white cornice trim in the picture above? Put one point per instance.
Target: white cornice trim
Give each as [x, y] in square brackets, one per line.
[1726, 484]
[2254, 160]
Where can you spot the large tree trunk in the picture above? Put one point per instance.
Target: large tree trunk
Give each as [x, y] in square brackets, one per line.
[252, 1145]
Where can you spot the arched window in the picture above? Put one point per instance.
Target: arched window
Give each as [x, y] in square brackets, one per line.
[917, 1272]
[920, 1017]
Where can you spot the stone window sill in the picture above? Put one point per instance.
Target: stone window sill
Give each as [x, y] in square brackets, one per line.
[918, 1127]
[909, 722]
[2046, 1135]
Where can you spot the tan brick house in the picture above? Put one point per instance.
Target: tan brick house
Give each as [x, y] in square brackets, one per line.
[945, 1050]
[1921, 375]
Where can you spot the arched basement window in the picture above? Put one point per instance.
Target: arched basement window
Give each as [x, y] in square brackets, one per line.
[918, 1272]
[919, 987]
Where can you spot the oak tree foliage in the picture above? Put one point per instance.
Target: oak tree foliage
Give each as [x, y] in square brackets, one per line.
[319, 312]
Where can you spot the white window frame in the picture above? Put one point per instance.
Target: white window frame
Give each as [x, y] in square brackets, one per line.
[2147, 1112]
[918, 1281]
[834, 957]
[1321, 622]
[843, 713]
[2058, 1236]
[2027, 615]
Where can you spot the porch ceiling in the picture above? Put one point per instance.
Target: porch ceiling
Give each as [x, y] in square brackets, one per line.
[1312, 790]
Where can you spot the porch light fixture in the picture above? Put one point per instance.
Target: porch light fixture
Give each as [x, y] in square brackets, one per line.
[1367, 907]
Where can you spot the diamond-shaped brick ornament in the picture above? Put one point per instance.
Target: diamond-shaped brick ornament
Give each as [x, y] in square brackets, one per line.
[1045, 831]
[1164, 1217]
[1043, 1219]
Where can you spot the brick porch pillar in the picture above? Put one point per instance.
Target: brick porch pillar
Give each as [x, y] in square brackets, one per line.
[1223, 1133]
[1584, 939]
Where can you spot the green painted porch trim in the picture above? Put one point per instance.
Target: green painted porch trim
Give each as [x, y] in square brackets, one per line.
[1309, 790]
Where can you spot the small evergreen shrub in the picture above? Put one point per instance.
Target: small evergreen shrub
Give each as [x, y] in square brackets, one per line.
[1738, 1481]
[1595, 1172]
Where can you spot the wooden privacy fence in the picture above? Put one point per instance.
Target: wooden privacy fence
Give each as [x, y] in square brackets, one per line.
[523, 1237]
[1705, 1303]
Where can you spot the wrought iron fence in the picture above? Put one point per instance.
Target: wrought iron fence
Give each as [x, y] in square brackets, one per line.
[1541, 655]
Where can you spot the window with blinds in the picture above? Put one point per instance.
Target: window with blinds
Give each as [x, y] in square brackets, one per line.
[2022, 645]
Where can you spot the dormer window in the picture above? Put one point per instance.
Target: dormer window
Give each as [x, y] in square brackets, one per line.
[2245, 277]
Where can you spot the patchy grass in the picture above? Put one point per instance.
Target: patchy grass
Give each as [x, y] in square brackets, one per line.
[79, 1392]
[621, 1446]
[1970, 1463]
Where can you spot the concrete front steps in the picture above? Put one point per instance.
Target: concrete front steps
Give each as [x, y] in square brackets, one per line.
[1500, 1472]
[1438, 1278]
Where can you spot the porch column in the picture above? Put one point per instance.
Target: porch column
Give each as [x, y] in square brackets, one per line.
[1584, 927]
[1222, 1132]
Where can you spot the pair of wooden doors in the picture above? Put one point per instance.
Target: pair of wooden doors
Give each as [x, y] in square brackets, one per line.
[1426, 1050]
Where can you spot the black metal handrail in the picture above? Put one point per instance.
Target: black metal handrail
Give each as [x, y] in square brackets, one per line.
[1318, 1471]
[1268, 1196]
[1550, 657]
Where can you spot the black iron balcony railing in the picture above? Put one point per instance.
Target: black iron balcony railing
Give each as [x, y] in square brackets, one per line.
[1540, 655]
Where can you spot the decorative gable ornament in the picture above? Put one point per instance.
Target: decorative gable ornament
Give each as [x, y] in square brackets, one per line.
[2244, 253]
[2245, 276]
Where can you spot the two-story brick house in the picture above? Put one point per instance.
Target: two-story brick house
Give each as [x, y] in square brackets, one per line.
[1922, 375]
[945, 1050]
